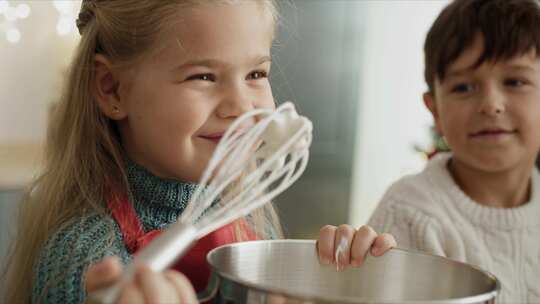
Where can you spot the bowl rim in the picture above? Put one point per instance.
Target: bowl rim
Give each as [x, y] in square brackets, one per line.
[483, 297]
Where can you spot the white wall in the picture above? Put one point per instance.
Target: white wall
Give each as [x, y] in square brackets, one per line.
[31, 70]
[392, 117]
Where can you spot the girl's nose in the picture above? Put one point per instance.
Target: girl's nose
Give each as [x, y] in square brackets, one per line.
[236, 101]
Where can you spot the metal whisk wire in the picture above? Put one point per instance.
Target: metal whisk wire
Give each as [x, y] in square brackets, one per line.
[248, 168]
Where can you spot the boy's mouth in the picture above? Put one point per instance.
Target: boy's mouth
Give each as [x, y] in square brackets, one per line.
[492, 133]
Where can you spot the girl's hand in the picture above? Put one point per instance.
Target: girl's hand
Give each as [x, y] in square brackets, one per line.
[345, 245]
[147, 287]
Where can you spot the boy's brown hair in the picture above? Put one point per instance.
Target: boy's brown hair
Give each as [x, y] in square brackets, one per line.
[509, 28]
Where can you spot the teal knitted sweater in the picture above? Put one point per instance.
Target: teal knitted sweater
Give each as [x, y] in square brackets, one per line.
[58, 273]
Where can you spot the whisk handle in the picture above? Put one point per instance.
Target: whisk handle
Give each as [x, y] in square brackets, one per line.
[158, 255]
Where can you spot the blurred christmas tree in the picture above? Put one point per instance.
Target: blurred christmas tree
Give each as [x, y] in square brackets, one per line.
[438, 144]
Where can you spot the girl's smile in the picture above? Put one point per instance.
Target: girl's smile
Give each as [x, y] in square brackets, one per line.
[215, 138]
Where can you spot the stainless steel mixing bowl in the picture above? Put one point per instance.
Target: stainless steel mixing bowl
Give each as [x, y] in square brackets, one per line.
[288, 271]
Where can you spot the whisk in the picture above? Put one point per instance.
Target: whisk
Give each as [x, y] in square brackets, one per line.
[248, 168]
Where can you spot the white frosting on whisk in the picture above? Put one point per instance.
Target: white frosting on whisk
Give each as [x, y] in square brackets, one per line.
[281, 129]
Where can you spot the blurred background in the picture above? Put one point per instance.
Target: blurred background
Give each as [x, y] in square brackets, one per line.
[355, 67]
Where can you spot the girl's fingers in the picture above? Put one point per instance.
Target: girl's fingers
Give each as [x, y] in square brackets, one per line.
[363, 239]
[154, 286]
[342, 245]
[325, 244]
[147, 287]
[382, 244]
[102, 274]
[183, 287]
[131, 294]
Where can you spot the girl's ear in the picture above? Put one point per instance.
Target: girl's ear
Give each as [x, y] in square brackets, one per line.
[431, 105]
[106, 89]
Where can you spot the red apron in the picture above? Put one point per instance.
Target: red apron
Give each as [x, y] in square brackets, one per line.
[193, 264]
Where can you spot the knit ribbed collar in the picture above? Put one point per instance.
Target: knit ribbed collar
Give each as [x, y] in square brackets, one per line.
[526, 215]
[157, 201]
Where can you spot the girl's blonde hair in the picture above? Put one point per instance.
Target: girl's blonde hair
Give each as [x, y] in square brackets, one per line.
[83, 154]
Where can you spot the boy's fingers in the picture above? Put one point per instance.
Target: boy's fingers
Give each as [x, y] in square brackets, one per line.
[183, 287]
[363, 239]
[344, 237]
[382, 244]
[102, 274]
[325, 245]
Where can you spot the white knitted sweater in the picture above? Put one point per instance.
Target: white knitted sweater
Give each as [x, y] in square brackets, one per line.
[429, 212]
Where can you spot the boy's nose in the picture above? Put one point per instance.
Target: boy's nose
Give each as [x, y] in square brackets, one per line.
[493, 102]
[236, 101]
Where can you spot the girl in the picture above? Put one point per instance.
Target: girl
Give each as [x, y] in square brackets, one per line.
[152, 88]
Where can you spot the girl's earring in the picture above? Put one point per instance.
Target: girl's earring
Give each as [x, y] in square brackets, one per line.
[115, 110]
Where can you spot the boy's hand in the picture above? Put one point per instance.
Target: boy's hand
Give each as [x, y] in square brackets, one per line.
[350, 246]
[148, 286]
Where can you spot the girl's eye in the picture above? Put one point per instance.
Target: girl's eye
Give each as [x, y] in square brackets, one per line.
[203, 77]
[257, 75]
[462, 88]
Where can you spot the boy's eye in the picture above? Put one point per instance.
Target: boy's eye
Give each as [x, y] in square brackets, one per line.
[514, 82]
[257, 75]
[462, 88]
[203, 77]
